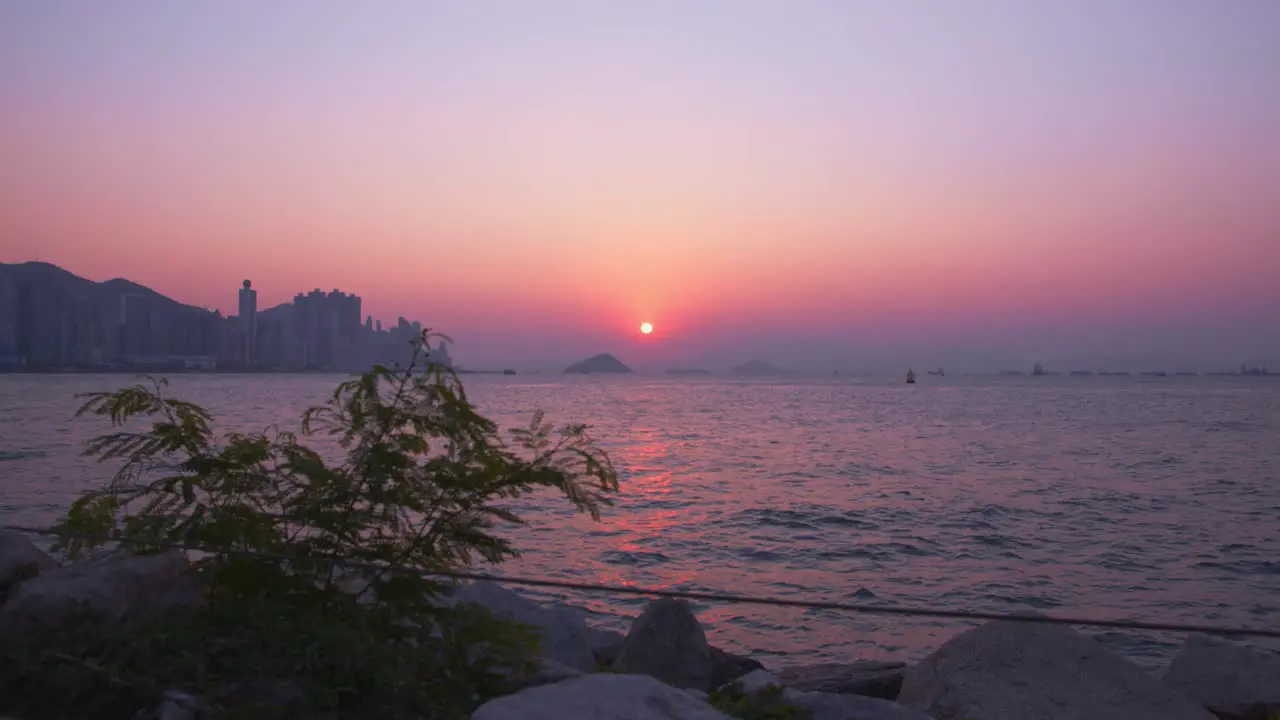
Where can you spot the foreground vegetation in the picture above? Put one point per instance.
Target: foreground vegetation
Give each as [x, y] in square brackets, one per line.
[423, 482]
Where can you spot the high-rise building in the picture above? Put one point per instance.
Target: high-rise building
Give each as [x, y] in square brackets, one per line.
[346, 311]
[327, 326]
[249, 322]
[136, 329]
[25, 338]
[439, 355]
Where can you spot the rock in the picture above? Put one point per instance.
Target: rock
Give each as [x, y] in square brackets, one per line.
[1010, 670]
[726, 666]
[605, 644]
[270, 698]
[834, 706]
[757, 680]
[1230, 679]
[116, 586]
[697, 694]
[547, 672]
[667, 642]
[177, 705]
[600, 696]
[20, 560]
[869, 678]
[562, 630]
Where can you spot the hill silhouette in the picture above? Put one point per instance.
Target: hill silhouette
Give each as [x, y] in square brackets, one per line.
[687, 371]
[53, 280]
[602, 363]
[756, 367]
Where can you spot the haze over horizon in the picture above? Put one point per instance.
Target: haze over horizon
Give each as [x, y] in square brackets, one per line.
[820, 184]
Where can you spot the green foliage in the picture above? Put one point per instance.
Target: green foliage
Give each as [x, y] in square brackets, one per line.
[17, 575]
[241, 658]
[424, 482]
[766, 704]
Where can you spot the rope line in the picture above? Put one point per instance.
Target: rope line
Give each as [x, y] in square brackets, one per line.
[681, 594]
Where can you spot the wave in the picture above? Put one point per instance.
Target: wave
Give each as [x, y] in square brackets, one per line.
[22, 455]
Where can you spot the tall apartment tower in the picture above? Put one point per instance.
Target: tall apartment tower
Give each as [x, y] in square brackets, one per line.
[249, 322]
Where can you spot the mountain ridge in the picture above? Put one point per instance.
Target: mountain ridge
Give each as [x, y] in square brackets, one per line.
[602, 363]
[13, 274]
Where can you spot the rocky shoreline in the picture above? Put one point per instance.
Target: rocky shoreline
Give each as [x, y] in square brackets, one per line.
[664, 667]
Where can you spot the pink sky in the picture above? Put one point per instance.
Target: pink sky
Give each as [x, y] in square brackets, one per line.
[570, 171]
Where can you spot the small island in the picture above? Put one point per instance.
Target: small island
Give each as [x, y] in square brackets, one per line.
[756, 367]
[602, 363]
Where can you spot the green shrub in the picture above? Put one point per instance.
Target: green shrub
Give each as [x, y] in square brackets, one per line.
[424, 482]
[766, 704]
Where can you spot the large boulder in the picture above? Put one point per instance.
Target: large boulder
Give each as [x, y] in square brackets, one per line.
[177, 705]
[605, 644]
[757, 681]
[273, 698]
[20, 560]
[115, 586]
[870, 678]
[725, 666]
[835, 706]
[545, 672]
[1230, 679]
[562, 630]
[756, 684]
[1011, 670]
[600, 696]
[667, 642]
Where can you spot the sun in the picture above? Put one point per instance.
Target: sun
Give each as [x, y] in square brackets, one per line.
[646, 328]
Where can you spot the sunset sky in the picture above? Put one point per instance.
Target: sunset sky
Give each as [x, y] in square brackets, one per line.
[538, 177]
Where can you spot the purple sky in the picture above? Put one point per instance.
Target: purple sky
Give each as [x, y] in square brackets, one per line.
[855, 181]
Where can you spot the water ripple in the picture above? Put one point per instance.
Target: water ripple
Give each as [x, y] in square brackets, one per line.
[1121, 500]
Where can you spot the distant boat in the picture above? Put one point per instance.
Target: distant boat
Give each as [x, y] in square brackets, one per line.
[911, 377]
[939, 372]
[508, 371]
[1037, 370]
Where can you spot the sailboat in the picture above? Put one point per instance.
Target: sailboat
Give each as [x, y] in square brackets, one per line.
[911, 376]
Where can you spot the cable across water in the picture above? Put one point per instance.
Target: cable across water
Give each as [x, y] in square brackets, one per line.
[868, 609]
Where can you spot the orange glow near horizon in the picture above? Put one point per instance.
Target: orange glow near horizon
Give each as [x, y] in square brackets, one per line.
[551, 188]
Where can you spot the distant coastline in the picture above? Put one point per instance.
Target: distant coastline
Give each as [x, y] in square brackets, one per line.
[671, 372]
[145, 370]
[687, 371]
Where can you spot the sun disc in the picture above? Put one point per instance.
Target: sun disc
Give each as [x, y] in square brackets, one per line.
[646, 328]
